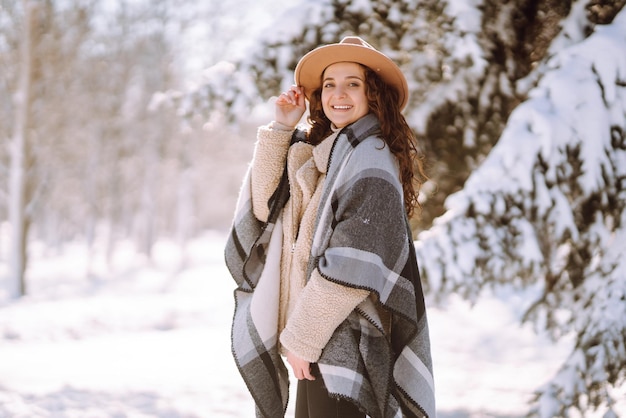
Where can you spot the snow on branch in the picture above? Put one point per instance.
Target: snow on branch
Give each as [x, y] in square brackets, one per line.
[547, 209]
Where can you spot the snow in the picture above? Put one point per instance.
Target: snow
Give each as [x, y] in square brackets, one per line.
[149, 339]
[466, 13]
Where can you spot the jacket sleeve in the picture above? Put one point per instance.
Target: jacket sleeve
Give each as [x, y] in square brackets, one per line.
[268, 164]
[321, 307]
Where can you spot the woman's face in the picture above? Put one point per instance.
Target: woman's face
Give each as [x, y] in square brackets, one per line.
[343, 93]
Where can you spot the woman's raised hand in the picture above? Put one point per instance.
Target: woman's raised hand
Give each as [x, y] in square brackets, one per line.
[290, 106]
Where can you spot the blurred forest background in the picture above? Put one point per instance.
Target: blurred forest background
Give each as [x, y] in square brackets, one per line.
[135, 120]
[85, 153]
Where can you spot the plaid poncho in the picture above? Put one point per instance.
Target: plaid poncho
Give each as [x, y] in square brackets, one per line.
[362, 240]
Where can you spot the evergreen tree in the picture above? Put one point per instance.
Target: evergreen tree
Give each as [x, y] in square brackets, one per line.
[546, 211]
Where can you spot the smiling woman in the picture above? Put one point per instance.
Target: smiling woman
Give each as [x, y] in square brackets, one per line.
[322, 252]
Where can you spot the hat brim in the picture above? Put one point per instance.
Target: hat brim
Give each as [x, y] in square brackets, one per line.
[308, 73]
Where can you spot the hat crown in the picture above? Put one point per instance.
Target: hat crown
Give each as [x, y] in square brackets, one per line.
[355, 40]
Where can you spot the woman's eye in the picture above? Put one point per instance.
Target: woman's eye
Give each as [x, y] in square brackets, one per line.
[328, 85]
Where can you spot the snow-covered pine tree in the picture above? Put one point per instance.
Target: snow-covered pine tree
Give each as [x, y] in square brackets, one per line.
[546, 210]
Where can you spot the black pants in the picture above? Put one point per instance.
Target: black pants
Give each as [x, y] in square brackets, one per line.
[313, 401]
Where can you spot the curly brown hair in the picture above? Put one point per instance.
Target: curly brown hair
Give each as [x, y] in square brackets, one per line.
[399, 137]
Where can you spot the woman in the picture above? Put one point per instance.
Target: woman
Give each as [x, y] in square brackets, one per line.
[321, 248]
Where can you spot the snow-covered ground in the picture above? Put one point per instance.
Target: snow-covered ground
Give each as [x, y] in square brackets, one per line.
[152, 340]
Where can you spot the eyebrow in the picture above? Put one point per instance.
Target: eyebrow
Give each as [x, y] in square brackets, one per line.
[348, 77]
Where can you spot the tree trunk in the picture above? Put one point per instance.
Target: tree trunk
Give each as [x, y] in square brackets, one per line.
[18, 218]
[184, 204]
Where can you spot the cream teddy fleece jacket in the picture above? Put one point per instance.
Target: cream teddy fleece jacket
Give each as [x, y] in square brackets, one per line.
[309, 312]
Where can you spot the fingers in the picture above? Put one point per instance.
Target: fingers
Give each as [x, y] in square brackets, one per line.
[302, 373]
[290, 106]
[306, 373]
[298, 373]
[294, 96]
[301, 368]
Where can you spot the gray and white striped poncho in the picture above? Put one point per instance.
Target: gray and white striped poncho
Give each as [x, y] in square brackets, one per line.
[362, 239]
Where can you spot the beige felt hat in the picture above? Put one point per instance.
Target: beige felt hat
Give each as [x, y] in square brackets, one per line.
[309, 70]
